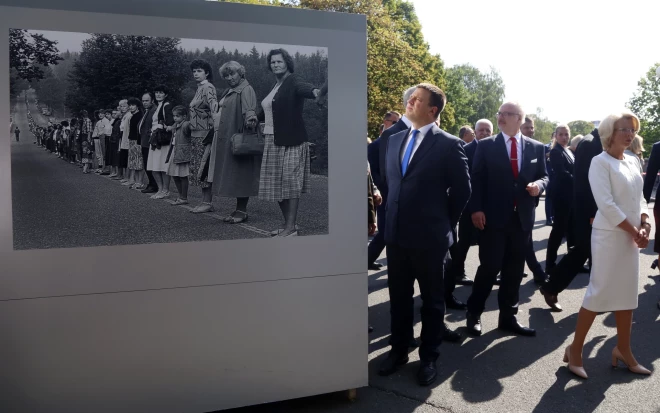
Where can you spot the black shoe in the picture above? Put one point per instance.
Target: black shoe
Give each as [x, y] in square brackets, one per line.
[464, 280]
[392, 363]
[514, 326]
[540, 278]
[548, 222]
[473, 325]
[427, 373]
[498, 279]
[370, 329]
[455, 304]
[525, 275]
[374, 266]
[149, 190]
[413, 343]
[551, 300]
[451, 335]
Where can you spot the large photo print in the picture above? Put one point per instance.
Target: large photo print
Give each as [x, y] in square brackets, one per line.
[123, 140]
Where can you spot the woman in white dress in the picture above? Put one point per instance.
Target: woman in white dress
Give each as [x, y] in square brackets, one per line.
[620, 229]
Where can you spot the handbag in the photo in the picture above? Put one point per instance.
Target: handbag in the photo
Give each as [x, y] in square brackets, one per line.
[249, 142]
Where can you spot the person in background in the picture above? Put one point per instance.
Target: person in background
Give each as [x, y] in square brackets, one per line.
[574, 142]
[159, 143]
[466, 134]
[17, 132]
[549, 212]
[649, 184]
[144, 128]
[636, 150]
[134, 147]
[180, 154]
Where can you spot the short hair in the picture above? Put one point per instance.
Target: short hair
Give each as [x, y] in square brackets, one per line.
[134, 101]
[575, 140]
[389, 114]
[232, 66]
[486, 121]
[285, 55]
[162, 88]
[517, 105]
[180, 110]
[204, 65]
[151, 95]
[109, 111]
[97, 113]
[463, 130]
[407, 93]
[528, 120]
[438, 98]
[637, 145]
[83, 112]
[606, 127]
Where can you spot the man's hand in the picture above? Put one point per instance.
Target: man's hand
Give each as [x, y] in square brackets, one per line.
[533, 189]
[378, 199]
[372, 229]
[479, 220]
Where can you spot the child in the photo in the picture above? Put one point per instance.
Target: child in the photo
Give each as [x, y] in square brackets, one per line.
[180, 154]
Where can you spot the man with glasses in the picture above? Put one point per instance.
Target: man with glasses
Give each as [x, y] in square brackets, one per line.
[508, 173]
[390, 119]
[466, 134]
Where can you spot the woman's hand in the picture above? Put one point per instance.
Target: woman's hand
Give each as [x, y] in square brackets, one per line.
[159, 126]
[169, 129]
[642, 238]
[251, 122]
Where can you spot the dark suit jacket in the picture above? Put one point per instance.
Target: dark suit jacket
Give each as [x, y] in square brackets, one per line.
[426, 204]
[376, 154]
[563, 167]
[493, 185]
[145, 127]
[587, 149]
[470, 149]
[652, 173]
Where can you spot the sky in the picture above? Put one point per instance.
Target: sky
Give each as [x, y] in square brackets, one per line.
[577, 60]
[72, 41]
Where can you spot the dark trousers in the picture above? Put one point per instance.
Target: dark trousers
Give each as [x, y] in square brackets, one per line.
[530, 257]
[500, 251]
[467, 236]
[561, 227]
[406, 265]
[572, 263]
[549, 210]
[150, 175]
[377, 244]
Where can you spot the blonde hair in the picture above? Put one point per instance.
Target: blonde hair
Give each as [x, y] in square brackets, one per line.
[575, 141]
[637, 145]
[606, 127]
[563, 126]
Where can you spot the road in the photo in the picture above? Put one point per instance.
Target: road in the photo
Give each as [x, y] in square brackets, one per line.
[55, 205]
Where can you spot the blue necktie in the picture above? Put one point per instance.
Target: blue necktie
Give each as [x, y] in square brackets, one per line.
[408, 153]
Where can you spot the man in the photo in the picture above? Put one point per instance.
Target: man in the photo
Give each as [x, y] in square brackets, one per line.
[17, 132]
[145, 133]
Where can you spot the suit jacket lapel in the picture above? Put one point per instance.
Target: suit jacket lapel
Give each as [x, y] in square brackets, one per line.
[394, 141]
[528, 154]
[568, 157]
[428, 141]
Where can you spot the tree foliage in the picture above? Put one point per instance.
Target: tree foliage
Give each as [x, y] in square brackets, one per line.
[645, 103]
[28, 52]
[543, 127]
[580, 127]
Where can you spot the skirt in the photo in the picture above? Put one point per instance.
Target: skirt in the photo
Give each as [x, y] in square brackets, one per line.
[181, 170]
[199, 165]
[285, 172]
[614, 280]
[156, 160]
[123, 158]
[135, 156]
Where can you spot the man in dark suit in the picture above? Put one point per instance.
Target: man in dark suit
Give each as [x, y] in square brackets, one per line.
[376, 155]
[508, 173]
[649, 184]
[467, 233]
[428, 187]
[584, 212]
[145, 134]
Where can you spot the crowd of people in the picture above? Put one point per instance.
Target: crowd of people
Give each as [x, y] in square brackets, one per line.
[433, 195]
[230, 144]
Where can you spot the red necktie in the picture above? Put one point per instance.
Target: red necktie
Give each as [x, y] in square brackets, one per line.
[514, 162]
[514, 157]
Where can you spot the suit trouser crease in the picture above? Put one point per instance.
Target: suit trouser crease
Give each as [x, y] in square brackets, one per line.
[560, 229]
[405, 265]
[500, 251]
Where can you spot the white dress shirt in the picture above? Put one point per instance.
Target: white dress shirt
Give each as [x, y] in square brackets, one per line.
[406, 121]
[507, 140]
[420, 136]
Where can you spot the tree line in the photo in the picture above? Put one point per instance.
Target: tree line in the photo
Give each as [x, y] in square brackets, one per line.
[113, 67]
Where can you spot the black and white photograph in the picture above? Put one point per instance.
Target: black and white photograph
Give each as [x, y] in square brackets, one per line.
[129, 139]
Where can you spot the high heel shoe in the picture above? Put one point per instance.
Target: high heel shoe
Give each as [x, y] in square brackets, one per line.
[638, 368]
[578, 371]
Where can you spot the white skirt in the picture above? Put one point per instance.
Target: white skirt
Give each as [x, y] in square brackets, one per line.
[614, 281]
[156, 159]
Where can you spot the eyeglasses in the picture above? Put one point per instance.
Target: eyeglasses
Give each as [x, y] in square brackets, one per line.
[507, 114]
[625, 130]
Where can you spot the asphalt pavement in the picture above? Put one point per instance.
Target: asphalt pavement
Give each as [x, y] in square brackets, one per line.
[55, 205]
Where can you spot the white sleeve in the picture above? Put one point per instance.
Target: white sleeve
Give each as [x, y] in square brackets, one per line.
[601, 187]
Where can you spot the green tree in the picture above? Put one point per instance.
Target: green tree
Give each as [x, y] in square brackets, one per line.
[543, 127]
[645, 103]
[29, 51]
[580, 127]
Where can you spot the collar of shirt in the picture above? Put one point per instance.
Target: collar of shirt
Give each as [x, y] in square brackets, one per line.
[203, 82]
[420, 136]
[406, 121]
[507, 140]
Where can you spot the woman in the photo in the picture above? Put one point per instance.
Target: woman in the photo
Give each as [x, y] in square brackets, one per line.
[234, 176]
[115, 140]
[201, 111]
[285, 169]
[135, 166]
[620, 229]
[124, 144]
[180, 153]
[636, 150]
[159, 146]
[86, 143]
